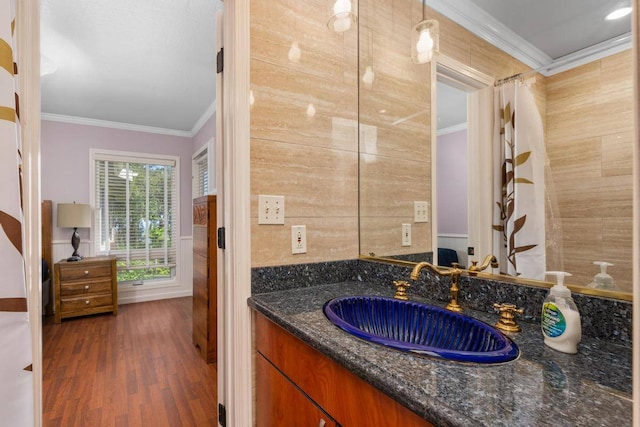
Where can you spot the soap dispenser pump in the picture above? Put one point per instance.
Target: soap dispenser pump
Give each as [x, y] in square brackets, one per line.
[602, 280]
[560, 317]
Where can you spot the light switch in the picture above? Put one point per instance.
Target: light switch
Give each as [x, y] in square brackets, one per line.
[271, 209]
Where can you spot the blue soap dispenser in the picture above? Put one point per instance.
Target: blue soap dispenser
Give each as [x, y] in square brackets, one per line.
[560, 317]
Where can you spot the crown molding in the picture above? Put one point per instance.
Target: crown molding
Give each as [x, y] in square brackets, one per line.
[203, 119]
[590, 54]
[113, 125]
[485, 26]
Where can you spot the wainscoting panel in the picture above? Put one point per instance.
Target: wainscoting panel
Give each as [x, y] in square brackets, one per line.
[182, 287]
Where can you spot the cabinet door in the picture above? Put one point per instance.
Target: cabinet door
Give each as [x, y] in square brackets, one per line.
[281, 403]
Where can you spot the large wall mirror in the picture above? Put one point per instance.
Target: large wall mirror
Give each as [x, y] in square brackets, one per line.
[422, 138]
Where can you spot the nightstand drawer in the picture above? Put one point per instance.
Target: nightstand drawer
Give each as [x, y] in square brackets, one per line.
[86, 302]
[88, 287]
[76, 272]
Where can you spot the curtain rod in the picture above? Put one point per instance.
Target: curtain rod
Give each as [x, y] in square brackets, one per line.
[517, 76]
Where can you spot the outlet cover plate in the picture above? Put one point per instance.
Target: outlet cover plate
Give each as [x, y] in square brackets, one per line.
[406, 234]
[271, 209]
[298, 239]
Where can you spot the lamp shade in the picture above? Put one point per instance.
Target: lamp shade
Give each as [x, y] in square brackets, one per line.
[74, 215]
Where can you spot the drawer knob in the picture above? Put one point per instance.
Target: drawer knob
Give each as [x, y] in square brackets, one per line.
[87, 302]
[322, 423]
[86, 272]
[86, 287]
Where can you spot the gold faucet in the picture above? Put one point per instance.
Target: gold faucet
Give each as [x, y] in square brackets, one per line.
[475, 268]
[454, 272]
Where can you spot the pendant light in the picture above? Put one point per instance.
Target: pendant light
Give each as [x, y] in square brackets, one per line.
[425, 41]
[341, 15]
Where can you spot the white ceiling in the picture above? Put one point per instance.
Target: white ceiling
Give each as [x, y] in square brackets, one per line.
[152, 62]
[141, 62]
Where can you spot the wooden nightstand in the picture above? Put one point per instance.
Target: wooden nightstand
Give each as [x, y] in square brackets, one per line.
[88, 286]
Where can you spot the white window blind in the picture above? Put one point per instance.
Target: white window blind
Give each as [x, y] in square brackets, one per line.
[201, 175]
[136, 205]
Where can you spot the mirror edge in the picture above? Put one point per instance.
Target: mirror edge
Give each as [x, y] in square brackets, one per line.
[510, 279]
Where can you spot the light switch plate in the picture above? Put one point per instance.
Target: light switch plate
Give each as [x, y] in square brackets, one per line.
[420, 211]
[271, 209]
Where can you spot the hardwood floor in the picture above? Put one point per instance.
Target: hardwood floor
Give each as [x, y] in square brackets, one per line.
[139, 368]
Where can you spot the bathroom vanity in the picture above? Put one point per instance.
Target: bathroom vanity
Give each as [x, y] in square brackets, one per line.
[352, 382]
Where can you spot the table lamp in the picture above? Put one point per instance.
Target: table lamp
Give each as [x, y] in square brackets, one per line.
[74, 215]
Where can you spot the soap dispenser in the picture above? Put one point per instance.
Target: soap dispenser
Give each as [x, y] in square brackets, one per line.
[602, 280]
[560, 317]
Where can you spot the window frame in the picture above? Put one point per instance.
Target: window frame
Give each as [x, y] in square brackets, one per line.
[208, 150]
[137, 157]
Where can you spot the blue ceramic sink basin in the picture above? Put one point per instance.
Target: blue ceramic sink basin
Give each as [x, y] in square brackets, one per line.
[420, 328]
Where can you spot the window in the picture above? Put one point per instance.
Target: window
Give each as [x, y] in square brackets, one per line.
[136, 214]
[203, 170]
[200, 173]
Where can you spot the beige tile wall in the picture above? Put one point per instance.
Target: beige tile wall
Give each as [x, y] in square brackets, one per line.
[312, 161]
[589, 144]
[395, 120]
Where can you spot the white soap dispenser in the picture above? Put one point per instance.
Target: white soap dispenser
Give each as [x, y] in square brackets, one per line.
[602, 280]
[560, 317]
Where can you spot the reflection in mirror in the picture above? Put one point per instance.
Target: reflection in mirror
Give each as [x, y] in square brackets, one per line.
[586, 113]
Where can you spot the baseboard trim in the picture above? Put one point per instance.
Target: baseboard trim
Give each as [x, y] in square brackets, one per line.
[132, 299]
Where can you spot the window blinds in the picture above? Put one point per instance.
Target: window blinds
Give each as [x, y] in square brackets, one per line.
[135, 215]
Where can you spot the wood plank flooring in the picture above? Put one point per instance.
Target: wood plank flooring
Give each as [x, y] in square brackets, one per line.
[138, 368]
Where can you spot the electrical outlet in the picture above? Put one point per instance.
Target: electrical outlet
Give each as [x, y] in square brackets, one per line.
[298, 239]
[271, 210]
[471, 250]
[406, 234]
[420, 211]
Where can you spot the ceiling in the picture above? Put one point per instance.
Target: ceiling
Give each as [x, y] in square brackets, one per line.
[143, 62]
[151, 63]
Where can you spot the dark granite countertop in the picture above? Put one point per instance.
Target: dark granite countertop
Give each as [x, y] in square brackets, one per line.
[542, 387]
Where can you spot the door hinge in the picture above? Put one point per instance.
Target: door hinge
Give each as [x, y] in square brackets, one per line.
[220, 61]
[222, 415]
[221, 234]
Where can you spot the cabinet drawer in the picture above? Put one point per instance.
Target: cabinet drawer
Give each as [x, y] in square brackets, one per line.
[79, 288]
[85, 272]
[86, 302]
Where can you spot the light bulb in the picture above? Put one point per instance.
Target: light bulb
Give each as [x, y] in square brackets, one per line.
[342, 8]
[341, 15]
[424, 46]
[424, 57]
[294, 52]
[617, 14]
[425, 42]
[368, 75]
[342, 24]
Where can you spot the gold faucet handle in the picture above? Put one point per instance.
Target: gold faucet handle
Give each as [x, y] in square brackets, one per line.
[507, 320]
[401, 289]
[474, 269]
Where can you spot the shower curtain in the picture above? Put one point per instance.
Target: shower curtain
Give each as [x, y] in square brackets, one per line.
[16, 387]
[519, 191]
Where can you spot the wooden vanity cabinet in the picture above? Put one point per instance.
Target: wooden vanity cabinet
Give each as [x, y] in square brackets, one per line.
[352, 402]
[205, 293]
[282, 403]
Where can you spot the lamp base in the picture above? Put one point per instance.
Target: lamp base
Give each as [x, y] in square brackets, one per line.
[74, 258]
